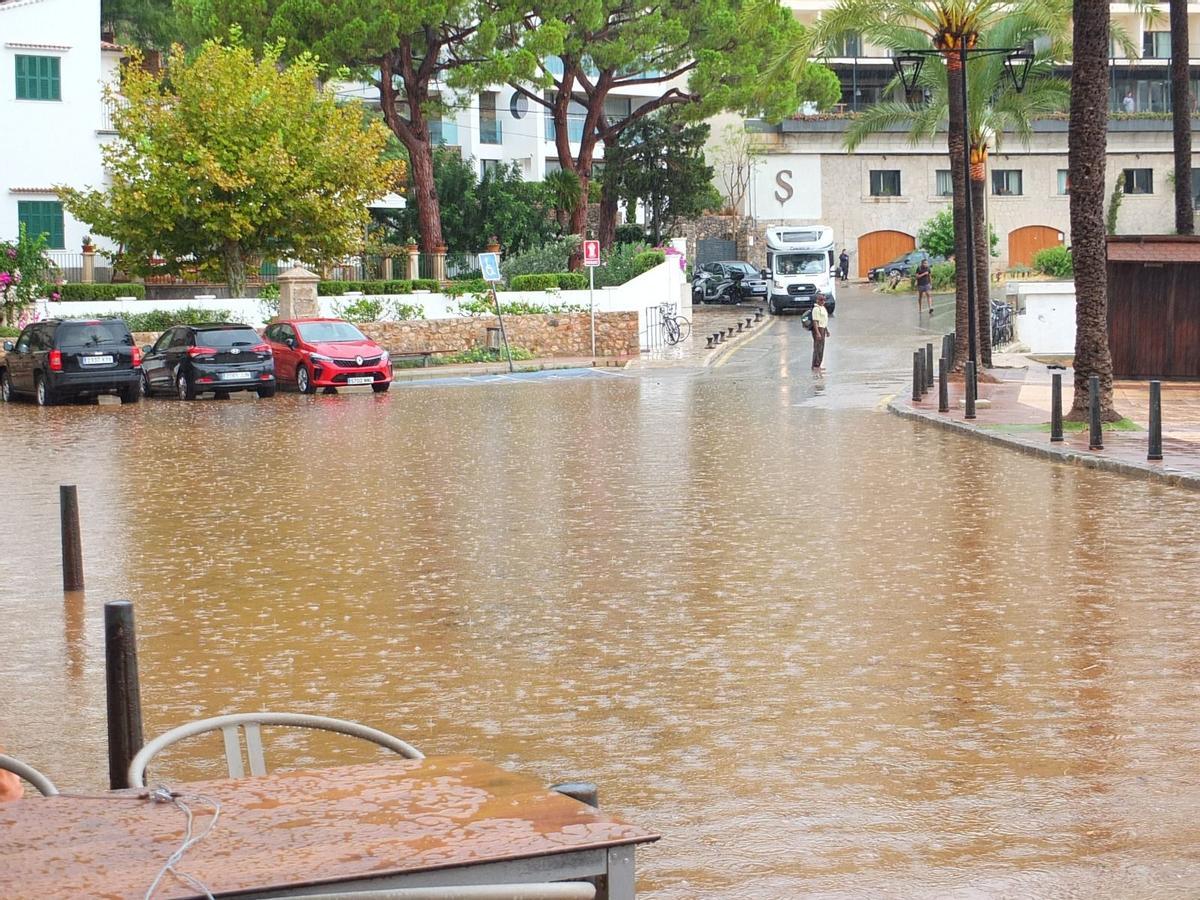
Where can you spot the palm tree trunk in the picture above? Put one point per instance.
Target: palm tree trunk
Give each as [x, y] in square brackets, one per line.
[983, 306]
[956, 140]
[1087, 143]
[1181, 105]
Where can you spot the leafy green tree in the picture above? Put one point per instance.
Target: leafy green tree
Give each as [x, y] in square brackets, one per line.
[142, 23]
[659, 162]
[228, 158]
[702, 56]
[937, 235]
[408, 49]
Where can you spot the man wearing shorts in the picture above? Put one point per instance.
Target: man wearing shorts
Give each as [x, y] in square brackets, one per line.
[924, 286]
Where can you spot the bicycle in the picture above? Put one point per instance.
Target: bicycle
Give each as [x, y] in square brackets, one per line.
[676, 328]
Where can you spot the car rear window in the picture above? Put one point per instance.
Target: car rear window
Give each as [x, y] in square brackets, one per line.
[221, 338]
[92, 334]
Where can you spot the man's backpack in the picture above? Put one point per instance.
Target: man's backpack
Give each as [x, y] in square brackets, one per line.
[806, 319]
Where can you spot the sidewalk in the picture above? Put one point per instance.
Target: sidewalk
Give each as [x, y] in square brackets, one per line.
[424, 373]
[1019, 416]
[705, 321]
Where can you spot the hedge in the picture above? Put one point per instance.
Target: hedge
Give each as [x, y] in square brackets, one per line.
[572, 281]
[77, 292]
[162, 319]
[567, 281]
[338, 288]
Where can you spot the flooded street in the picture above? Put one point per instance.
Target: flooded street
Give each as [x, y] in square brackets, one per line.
[823, 650]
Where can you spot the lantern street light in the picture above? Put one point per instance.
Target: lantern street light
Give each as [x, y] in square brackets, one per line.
[1017, 63]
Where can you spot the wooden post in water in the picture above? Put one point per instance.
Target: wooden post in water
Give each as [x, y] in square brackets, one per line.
[123, 694]
[72, 546]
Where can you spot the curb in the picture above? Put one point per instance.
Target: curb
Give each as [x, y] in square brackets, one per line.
[432, 373]
[730, 344]
[1065, 455]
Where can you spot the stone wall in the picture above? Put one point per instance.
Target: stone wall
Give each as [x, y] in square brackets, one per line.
[543, 335]
[741, 230]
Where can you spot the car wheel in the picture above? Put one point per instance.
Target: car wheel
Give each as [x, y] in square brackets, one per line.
[130, 394]
[381, 387]
[303, 380]
[6, 393]
[43, 393]
[184, 387]
[144, 385]
[772, 308]
[267, 390]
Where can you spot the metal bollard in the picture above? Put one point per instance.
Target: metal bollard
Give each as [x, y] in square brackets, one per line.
[124, 698]
[929, 366]
[1095, 434]
[948, 346]
[729, 331]
[969, 386]
[739, 327]
[758, 314]
[748, 321]
[943, 386]
[72, 545]
[710, 342]
[717, 335]
[1155, 449]
[918, 375]
[1056, 420]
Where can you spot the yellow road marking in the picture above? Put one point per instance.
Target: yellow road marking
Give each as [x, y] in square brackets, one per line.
[728, 356]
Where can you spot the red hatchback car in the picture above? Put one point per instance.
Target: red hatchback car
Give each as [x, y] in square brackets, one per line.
[326, 353]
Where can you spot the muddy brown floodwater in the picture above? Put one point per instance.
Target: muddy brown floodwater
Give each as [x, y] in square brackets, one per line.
[824, 651]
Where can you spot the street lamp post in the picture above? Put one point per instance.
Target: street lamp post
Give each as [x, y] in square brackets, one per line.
[908, 68]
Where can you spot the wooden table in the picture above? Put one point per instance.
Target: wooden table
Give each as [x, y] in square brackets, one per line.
[447, 820]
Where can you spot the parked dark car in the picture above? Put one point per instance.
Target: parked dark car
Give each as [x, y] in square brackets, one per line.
[191, 359]
[727, 282]
[903, 265]
[62, 359]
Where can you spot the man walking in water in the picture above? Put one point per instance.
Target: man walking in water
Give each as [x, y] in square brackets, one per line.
[820, 331]
[924, 286]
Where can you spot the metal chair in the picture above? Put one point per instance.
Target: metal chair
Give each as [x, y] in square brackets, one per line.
[44, 785]
[250, 722]
[551, 890]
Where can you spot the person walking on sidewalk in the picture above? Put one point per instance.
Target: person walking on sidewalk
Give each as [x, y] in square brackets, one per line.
[924, 286]
[844, 264]
[820, 331]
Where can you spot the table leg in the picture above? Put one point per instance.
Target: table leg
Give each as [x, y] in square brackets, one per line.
[620, 874]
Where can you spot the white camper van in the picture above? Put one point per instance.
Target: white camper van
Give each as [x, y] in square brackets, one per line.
[801, 262]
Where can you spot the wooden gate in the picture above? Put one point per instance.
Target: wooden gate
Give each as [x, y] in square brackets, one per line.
[1023, 243]
[878, 247]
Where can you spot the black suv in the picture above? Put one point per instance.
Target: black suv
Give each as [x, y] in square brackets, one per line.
[62, 359]
[224, 357]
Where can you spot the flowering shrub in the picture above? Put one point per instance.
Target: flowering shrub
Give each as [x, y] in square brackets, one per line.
[25, 275]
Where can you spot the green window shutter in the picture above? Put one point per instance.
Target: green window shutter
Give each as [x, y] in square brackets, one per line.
[39, 78]
[22, 76]
[42, 217]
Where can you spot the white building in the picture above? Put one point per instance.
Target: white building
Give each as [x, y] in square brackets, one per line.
[52, 68]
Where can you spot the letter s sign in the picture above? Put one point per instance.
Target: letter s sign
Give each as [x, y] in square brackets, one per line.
[782, 178]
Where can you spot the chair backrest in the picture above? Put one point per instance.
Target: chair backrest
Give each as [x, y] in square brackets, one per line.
[249, 723]
[44, 785]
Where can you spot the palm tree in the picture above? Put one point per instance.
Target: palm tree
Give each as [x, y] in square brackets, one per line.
[1087, 148]
[1181, 105]
[995, 109]
[566, 192]
[946, 25]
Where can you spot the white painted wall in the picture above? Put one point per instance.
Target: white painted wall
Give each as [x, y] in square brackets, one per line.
[1045, 320]
[47, 142]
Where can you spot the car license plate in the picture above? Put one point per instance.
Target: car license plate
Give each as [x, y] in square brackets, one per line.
[360, 379]
[96, 360]
[235, 376]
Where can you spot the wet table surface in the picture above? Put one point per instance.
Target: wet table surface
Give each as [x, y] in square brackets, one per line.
[432, 817]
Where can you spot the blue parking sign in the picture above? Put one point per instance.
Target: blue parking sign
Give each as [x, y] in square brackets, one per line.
[489, 265]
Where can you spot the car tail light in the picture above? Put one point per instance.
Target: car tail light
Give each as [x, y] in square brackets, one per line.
[137, 356]
[56, 361]
[204, 379]
[265, 376]
[261, 348]
[201, 351]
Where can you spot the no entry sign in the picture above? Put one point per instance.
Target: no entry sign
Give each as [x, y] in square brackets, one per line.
[591, 253]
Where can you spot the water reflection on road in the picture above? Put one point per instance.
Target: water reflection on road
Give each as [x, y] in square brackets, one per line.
[823, 650]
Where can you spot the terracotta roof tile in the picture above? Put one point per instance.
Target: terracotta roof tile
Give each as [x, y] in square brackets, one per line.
[1154, 248]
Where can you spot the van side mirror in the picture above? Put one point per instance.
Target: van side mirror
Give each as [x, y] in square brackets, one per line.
[767, 273]
[8, 345]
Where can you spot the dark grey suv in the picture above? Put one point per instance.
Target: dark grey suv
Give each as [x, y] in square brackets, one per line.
[61, 359]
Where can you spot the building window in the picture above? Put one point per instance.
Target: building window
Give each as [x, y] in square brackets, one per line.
[1156, 44]
[42, 217]
[1006, 183]
[885, 182]
[488, 165]
[443, 131]
[489, 124]
[1139, 181]
[617, 109]
[1064, 182]
[1196, 188]
[945, 183]
[848, 46]
[38, 78]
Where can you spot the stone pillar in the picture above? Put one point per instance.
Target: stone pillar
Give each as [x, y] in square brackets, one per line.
[439, 262]
[387, 268]
[298, 294]
[89, 267]
[414, 262]
[493, 245]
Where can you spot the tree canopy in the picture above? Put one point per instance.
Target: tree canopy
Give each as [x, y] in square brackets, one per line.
[227, 158]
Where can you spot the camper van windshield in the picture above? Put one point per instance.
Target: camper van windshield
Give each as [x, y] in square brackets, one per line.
[801, 263]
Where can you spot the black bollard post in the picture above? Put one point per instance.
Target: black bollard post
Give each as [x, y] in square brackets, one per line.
[1095, 435]
[918, 377]
[758, 314]
[717, 337]
[72, 546]
[748, 321]
[948, 346]
[739, 327]
[710, 342]
[1155, 450]
[969, 389]
[943, 385]
[729, 331]
[123, 694]
[1056, 422]
[583, 791]
[929, 366]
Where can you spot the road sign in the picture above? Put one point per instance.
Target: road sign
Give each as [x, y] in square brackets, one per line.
[489, 265]
[591, 253]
